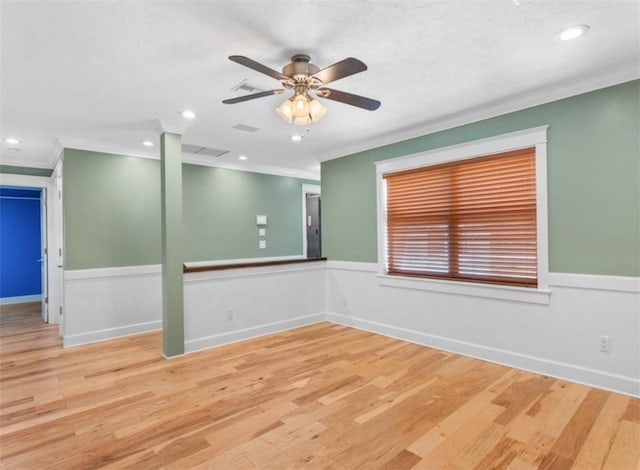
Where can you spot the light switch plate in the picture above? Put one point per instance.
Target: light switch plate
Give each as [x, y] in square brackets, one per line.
[261, 220]
[262, 232]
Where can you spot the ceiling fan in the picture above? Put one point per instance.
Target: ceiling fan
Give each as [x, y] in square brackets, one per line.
[303, 77]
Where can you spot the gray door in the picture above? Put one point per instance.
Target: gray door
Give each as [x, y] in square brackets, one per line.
[314, 246]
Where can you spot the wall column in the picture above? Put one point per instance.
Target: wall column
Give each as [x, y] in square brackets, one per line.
[172, 239]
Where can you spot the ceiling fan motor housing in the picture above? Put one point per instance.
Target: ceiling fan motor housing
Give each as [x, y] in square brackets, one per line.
[300, 68]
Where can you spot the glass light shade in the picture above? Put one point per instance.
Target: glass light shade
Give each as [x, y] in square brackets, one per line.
[290, 110]
[300, 105]
[285, 110]
[316, 110]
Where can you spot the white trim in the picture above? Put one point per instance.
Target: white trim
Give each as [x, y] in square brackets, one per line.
[122, 271]
[75, 143]
[48, 185]
[542, 214]
[25, 180]
[206, 342]
[110, 333]
[491, 291]
[188, 158]
[596, 281]
[307, 189]
[507, 105]
[525, 138]
[352, 266]
[475, 148]
[250, 167]
[21, 299]
[579, 281]
[591, 377]
[156, 269]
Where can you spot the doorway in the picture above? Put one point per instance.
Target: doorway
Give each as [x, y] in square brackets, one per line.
[311, 221]
[50, 302]
[313, 232]
[23, 242]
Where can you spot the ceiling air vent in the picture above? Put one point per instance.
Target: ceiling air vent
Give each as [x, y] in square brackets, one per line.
[244, 85]
[245, 128]
[200, 150]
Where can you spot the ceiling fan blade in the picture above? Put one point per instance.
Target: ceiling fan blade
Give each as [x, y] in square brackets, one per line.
[258, 67]
[240, 99]
[339, 70]
[349, 98]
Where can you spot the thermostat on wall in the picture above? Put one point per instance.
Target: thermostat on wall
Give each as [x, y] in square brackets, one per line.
[261, 220]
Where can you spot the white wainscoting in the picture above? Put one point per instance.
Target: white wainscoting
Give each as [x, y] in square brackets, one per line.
[108, 303]
[559, 339]
[262, 300]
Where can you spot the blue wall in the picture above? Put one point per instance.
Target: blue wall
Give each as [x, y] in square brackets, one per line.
[19, 242]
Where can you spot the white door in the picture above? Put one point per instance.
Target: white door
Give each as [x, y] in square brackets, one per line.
[44, 255]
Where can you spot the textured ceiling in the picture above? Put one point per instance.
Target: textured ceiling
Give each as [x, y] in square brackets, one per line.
[100, 73]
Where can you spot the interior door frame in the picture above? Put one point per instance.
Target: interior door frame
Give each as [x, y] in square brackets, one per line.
[46, 184]
[307, 189]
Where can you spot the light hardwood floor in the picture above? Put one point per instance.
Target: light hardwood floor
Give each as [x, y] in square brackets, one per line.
[323, 396]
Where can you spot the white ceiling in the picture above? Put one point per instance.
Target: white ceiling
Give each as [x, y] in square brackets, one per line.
[98, 74]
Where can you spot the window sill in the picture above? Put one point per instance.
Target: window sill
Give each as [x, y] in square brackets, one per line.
[515, 294]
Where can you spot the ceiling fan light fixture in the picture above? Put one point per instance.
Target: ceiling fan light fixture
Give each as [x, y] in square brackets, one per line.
[316, 110]
[290, 110]
[301, 105]
[285, 110]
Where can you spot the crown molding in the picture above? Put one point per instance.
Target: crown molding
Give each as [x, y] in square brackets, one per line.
[69, 142]
[25, 163]
[536, 97]
[192, 159]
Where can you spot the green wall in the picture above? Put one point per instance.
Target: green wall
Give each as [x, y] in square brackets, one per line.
[593, 182]
[24, 170]
[112, 212]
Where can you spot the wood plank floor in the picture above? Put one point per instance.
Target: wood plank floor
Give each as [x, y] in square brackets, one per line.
[324, 396]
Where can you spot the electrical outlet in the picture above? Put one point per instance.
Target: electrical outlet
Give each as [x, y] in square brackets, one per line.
[229, 313]
[262, 244]
[605, 343]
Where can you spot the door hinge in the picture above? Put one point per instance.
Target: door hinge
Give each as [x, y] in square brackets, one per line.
[59, 194]
[60, 310]
[59, 251]
[46, 252]
[46, 300]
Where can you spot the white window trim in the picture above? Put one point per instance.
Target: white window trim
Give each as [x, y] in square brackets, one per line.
[534, 137]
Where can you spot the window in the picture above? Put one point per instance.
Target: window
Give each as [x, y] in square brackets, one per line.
[472, 213]
[470, 220]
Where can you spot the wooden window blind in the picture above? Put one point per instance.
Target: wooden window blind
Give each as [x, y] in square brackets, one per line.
[470, 220]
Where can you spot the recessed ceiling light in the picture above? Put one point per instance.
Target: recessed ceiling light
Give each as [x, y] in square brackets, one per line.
[296, 137]
[242, 157]
[147, 143]
[12, 141]
[188, 114]
[573, 32]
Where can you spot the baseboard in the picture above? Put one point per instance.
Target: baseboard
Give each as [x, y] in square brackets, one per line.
[593, 378]
[110, 333]
[253, 332]
[20, 299]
